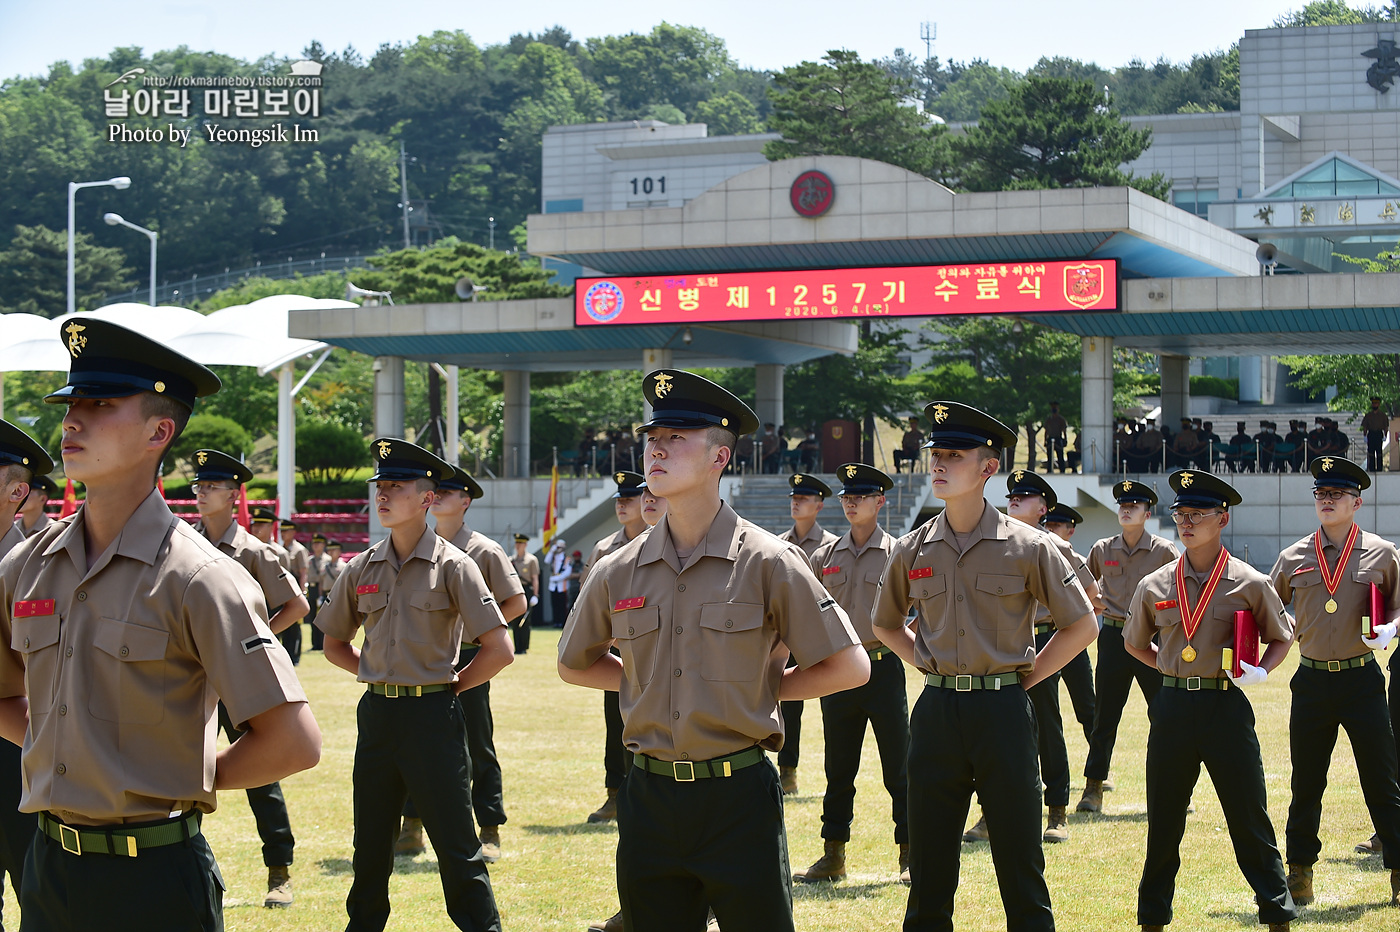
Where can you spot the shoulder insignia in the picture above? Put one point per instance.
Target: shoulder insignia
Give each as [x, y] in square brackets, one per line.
[1164, 604]
[622, 605]
[825, 604]
[367, 590]
[829, 570]
[34, 608]
[922, 573]
[256, 642]
[1110, 563]
[487, 600]
[1067, 580]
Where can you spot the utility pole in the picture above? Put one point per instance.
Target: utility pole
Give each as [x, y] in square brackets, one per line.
[491, 222]
[403, 192]
[928, 32]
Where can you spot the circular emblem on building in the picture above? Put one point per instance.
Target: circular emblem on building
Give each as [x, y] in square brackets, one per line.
[603, 301]
[812, 193]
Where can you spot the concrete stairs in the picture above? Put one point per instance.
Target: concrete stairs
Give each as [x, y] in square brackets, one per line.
[764, 501]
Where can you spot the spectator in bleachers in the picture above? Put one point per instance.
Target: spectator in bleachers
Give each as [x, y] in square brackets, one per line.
[909, 446]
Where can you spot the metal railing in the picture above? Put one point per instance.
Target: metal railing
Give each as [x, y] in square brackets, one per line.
[185, 291]
[1218, 458]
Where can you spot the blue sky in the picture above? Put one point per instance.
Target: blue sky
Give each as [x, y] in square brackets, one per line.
[1014, 33]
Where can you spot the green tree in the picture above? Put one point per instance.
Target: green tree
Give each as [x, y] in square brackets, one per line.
[1051, 133]
[328, 451]
[34, 272]
[423, 276]
[968, 88]
[207, 431]
[844, 106]
[674, 65]
[728, 114]
[324, 285]
[1334, 13]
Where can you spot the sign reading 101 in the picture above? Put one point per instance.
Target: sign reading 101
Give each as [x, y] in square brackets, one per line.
[646, 185]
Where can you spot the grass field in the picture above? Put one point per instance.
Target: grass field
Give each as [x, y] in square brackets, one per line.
[557, 871]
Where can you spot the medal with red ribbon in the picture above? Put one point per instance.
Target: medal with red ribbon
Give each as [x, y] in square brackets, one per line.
[1329, 579]
[1191, 620]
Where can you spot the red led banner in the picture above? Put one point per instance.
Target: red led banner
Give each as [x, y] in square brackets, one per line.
[907, 291]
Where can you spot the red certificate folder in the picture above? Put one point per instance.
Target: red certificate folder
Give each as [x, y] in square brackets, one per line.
[1246, 644]
[1377, 614]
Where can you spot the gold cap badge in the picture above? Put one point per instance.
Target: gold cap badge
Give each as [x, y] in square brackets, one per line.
[76, 341]
[940, 413]
[796, 480]
[851, 472]
[618, 478]
[384, 449]
[1127, 485]
[1019, 474]
[1326, 463]
[201, 457]
[663, 385]
[1186, 480]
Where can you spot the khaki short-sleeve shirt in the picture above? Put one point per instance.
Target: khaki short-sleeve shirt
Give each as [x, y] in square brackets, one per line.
[1297, 578]
[701, 655]
[1076, 562]
[1156, 610]
[816, 536]
[12, 536]
[976, 606]
[123, 665]
[39, 526]
[496, 568]
[415, 614]
[316, 573]
[1119, 568]
[610, 544]
[300, 559]
[528, 569]
[260, 560]
[852, 577]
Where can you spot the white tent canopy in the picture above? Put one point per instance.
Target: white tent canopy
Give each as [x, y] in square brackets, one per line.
[253, 335]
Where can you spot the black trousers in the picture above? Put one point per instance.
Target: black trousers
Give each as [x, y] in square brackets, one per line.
[484, 769]
[173, 888]
[416, 745]
[520, 630]
[269, 810]
[1113, 680]
[1355, 700]
[1055, 447]
[719, 843]
[559, 604]
[1050, 733]
[16, 828]
[884, 704]
[1078, 675]
[313, 599]
[791, 751]
[982, 742]
[1215, 728]
[617, 760]
[291, 639]
[1375, 452]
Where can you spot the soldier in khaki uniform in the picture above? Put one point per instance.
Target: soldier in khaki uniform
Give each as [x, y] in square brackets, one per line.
[1201, 715]
[32, 517]
[217, 479]
[418, 599]
[1078, 674]
[1327, 577]
[317, 585]
[849, 569]
[299, 562]
[527, 567]
[455, 495]
[627, 502]
[704, 607]
[1120, 563]
[974, 577]
[122, 625]
[806, 497]
[23, 465]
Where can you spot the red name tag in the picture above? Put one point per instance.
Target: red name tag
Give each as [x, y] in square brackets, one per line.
[366, 590]
[34, 608]
[622, 605]
[1110, 563]
[1305, 569]
[828, 570]
[924, 573]
[1169, 603]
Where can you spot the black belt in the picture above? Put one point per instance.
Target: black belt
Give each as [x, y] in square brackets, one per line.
[1113, 622]
[1193, 683]
[1334, 666]
[687, 771]
[965, 684]
[120, 841]
[391, 691]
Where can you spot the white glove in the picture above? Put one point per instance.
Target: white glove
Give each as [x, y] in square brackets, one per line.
[534, 600]
[1383, 636]
[1252, 675]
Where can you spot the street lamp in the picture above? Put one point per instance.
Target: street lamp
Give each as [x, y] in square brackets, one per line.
[118, 219]
[121, 183]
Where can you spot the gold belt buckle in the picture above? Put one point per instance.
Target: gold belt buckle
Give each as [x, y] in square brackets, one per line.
[63, 832]
[676, 771]
[1334, 666]
[391, 691]
[1193, 684]
[962, 683]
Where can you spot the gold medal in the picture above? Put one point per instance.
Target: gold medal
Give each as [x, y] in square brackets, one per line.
[1331, 606]
[1188, 653]
[1329, 579]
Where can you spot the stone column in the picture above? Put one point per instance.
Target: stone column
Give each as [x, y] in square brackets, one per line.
[1176, 389]
[653, 359]
[768, 384]
[1096, 404]
[388, 420]
[515, 440]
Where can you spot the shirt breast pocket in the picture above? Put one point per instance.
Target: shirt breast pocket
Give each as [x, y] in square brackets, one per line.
[1366, 577]
[1111, 571]
[638, 632]
[834, 580]
[37, 639]
[128, 673]
[732, 645]
[371, 605]
[1006, 614]
[929, 596]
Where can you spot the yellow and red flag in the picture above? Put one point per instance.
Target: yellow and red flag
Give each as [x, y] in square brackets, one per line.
[70, 499]
[551, 507]
[245, 520]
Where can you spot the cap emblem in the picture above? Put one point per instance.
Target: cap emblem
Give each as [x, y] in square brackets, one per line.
[1127, 485]
[201, 457]
[850, 472]
[76, 341]
[663, 385]
[940, 413]
[1186, 480]
[796, 480]
[1019, 474]
[385, 448]
[1326, 463]
[618, 478]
